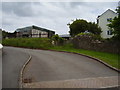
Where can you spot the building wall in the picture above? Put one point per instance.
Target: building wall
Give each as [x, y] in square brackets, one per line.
[24, 32]
[38, 33]
[103, 21]
[35, 33]
[44, 34]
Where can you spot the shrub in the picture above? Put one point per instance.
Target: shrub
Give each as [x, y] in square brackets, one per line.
[58, 40]
[90, 35]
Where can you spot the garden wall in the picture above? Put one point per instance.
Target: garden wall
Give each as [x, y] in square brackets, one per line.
[88, 43]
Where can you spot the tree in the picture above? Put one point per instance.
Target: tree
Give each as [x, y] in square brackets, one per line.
[93, 28]
[8, 34]
[80, 25]
[115, 25]
[77, 26]
[4, 34]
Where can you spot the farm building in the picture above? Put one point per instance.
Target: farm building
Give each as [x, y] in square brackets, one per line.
[34, 31]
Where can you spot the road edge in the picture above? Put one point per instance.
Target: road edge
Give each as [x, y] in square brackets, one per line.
[109, 66]
[22, 70]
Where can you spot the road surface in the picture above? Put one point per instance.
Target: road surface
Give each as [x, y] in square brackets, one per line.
[13, 60]
[49, 66]
[52, 66]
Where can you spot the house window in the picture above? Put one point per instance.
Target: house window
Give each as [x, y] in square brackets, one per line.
[109, 32]
[109, 19]
[97, 21]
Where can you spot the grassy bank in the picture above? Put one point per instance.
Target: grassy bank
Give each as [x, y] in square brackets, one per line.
[42, 43]
[45, 43]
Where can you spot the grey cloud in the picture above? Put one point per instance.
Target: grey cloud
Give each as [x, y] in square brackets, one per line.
[75, 4]
[51, 15]
[21, 9]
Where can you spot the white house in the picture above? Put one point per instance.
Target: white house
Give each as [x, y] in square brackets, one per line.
[103, 20]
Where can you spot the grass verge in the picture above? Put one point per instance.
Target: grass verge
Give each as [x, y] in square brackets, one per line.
[109, 58]
[42, 43]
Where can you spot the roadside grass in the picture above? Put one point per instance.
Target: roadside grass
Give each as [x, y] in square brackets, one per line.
[45, 43]
[109, 58]
[42, 43]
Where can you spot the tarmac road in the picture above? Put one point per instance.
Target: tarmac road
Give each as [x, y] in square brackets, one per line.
[12, 62]
[53, 66]
[49, 66]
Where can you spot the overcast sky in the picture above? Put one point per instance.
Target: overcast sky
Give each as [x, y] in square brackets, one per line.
[51, 15]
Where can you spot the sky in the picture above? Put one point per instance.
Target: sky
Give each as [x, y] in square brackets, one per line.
[50, 15]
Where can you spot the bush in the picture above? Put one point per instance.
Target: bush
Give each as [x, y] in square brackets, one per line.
[58, 40]
[90, 35]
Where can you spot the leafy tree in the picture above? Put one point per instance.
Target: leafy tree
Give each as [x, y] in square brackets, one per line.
[115, 25]
[80, 25]
[93, 28]
[77, 27]
[55, 37]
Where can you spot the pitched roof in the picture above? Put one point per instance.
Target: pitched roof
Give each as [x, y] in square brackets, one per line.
[34, 27]
[105, 12]
[42, 29]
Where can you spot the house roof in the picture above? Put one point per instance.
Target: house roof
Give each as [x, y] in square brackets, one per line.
[43, 29]
[34, 27]
[65, 35]
[105, 12]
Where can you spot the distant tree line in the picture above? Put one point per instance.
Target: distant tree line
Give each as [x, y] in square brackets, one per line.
[6, 34]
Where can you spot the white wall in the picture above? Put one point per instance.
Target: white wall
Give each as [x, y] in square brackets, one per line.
[103, 22]
[44, 34]
[37, 32]
[34, 31]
